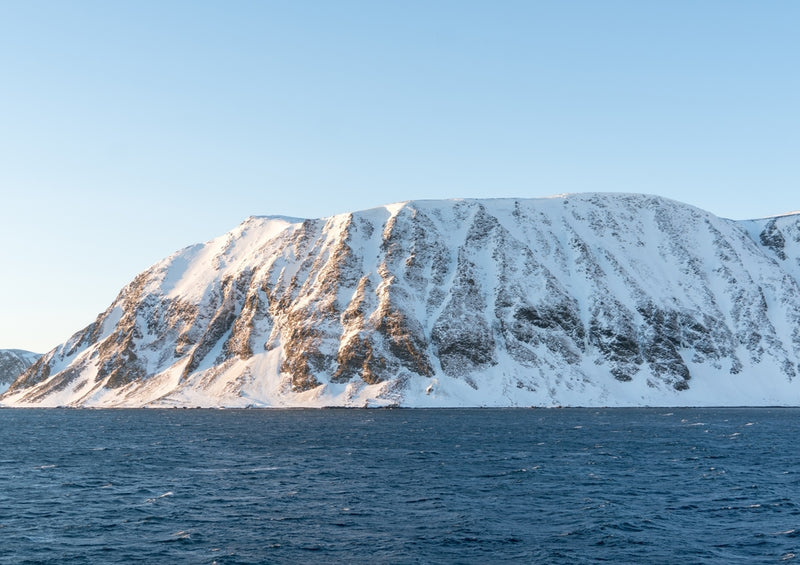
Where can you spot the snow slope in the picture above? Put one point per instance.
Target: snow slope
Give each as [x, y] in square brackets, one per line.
[582, 299]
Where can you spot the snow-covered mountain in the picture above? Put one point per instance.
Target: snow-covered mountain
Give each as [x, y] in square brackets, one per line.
[585, 299]
[12, 363]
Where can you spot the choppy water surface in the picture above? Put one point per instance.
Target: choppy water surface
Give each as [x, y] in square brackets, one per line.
[400, 486]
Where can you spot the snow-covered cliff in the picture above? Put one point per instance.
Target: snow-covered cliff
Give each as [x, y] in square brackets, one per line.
[584, 299]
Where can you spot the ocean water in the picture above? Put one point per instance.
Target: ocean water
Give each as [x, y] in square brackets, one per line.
[400, 486]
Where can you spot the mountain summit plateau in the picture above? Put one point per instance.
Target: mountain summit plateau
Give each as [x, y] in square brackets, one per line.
[580, 299]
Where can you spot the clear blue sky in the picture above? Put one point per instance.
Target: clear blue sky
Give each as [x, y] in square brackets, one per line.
[131, 129]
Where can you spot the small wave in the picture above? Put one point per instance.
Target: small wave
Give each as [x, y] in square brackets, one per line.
[312, 548]
[627, 527]
[179, 536]
[261, 469]
[166, 494]
[415, 501]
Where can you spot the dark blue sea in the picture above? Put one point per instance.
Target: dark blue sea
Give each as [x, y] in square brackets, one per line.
[400, 486]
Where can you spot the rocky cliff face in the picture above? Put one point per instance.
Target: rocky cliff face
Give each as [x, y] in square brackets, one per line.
[12, 363]
[590, 299]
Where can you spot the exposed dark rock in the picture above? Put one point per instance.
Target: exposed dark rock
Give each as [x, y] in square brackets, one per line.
[772, 238]
[613, 333]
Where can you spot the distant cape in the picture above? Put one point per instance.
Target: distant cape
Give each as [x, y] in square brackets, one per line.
[12, 363]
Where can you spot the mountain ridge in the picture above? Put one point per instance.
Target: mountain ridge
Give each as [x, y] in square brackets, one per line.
[578, 299]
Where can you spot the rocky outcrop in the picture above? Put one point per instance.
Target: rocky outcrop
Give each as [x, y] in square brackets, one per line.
[590, 299]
